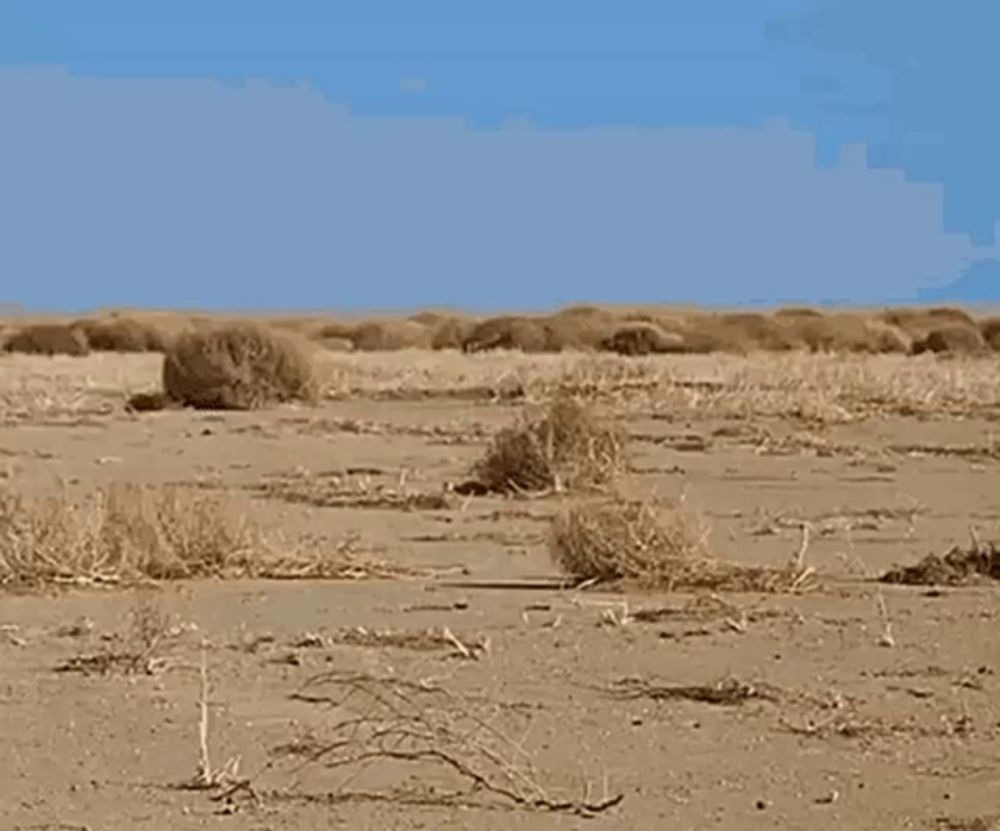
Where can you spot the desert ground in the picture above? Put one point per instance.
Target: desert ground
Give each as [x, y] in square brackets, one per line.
[367, 642]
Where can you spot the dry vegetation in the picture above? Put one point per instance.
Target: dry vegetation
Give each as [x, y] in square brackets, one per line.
[237, 367]
[125, 534]
[404, 710]
[48, 339]
[626, 331]
[654, 544]
[567, 447]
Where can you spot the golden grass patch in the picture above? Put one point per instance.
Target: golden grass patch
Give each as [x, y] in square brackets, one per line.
[127, 533]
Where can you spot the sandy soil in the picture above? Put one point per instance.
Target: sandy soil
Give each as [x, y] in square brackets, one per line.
[833, 728]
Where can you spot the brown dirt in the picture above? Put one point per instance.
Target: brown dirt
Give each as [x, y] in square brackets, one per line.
[448, 646]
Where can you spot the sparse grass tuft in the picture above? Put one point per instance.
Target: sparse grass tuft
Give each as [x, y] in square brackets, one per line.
[127, 534]
[241, 366]
[566, 448]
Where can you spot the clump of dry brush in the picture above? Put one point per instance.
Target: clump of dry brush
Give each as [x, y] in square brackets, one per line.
[129, 533]
[567, 447]
[240, 366]
[656, 544]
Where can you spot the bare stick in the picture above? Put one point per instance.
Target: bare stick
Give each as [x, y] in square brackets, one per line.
[886, 639]
[204, 766]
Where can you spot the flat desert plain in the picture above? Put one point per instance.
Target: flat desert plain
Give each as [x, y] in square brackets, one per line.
[400, 651]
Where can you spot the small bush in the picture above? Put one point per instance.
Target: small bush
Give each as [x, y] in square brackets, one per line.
[639, 338]
[849, 333]
[48, 339]
[391, 335]
[527, 334]
[955, 339]
[240, 366]
[798, 312]
[990, 329]
[918, 323]
[123, 334]
[656, 545]
[567, 448]
[148, 402]
[623, 539]
[451, 333]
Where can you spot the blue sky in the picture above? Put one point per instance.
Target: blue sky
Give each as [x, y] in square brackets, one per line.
[377, 154]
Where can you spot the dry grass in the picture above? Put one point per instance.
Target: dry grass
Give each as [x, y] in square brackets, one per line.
[815, 389]
[655, 545]
[390, 739]
[565, 448]
[129, 534]
[958, 567]
[241, 366]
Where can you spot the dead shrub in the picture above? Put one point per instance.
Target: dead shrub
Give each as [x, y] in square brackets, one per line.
[958, 567]
[580, 328]
[431, 318]
[797, 312]
[526, 334]
[123, 334]
[739, 333]
[48, 339]
[884, 338]
[336, 344]
[565, 448]
[391, 335]
[128, 533]
[954, 339]
[149, 402]
[240, 366]
[918, 323]
[450, 333]
[990, 329]
[122, 533]
[639, 338]
[655, 544]
[334, 329]
[849, 333]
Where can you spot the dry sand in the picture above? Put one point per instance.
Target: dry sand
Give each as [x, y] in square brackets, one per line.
[783, 711]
